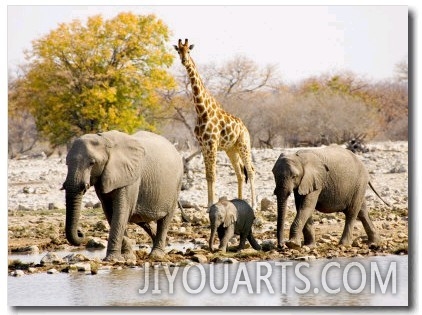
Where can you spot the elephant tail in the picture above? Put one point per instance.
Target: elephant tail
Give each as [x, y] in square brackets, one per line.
[253, 242]
[185, 218]
[376, 193]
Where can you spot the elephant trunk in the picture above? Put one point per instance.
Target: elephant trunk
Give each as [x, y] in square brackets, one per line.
[281, 214]
[73, 209]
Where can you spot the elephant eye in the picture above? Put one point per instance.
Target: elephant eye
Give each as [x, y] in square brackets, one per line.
[91, 162]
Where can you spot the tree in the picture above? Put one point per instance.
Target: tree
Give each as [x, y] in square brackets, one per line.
[97, 76]
[402, 71]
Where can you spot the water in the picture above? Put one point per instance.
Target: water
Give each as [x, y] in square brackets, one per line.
[374, 281]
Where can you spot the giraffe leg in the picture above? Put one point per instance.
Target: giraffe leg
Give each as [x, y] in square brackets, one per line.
[244, 149]
[237, 165]
[210, 159]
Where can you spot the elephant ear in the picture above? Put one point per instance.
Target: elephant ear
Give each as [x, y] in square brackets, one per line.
[124, 162]
[314, 173]
[231, 214]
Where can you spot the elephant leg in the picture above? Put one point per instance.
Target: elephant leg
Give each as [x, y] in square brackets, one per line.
[220, 232]
[242, 241]
[363, 215]
[229, 232]
[127, 251]
[151, 230]
[309, 233]
[117, 225]
[346, 237]
[159, 242]
[253, 241]
[305, 208]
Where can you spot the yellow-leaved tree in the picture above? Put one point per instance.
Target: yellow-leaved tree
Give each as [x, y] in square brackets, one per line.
[96, 76]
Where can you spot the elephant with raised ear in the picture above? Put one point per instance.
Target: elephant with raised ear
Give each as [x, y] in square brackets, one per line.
[137, 179]
[230, 217]
[329, 179]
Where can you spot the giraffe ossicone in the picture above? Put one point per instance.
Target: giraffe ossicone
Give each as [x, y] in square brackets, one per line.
[217, 129]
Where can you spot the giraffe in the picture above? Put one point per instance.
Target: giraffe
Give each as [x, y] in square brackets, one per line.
[217, 129]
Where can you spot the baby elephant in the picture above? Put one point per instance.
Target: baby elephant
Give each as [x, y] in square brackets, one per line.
[229, 217]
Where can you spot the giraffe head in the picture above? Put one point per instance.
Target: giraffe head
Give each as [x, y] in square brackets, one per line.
[183, 50]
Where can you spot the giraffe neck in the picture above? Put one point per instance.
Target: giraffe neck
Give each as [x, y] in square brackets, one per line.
[204, 102]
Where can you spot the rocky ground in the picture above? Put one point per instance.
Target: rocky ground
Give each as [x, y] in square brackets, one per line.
[36, 214]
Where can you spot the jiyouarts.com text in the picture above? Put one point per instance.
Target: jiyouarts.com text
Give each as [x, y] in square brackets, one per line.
[283, 277]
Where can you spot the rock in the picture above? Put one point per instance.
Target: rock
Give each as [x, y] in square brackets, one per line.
[32, 270]
[17, 273]
[202, 259]
[267, 205]
[102, 226]
[33, 249]
[327, 237]
[56, 206]
[267, 245]
[52, 271]
[24, 208]
[306, 258]
[230, 261]
[28, 190]
[83, 266]
[75, 258]
[399, 168]
[51, 258]
[96, 243]
[401, 235]
[391, 217]
[89, 205]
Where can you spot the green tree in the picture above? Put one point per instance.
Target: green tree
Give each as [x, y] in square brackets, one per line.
[97, 76]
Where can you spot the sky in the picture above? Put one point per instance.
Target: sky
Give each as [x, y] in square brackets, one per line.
[302, 41]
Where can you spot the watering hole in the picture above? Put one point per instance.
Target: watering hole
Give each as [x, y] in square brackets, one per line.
[370, 281]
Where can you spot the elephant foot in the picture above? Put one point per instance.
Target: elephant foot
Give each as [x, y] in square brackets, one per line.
[374, 240]
[310, 245]
[281, 247]
[293, 244]
[157, 254]
[129, 256]
[115, 258]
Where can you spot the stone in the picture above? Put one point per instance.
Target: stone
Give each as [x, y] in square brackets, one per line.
[52, 271]
[51, 258]
[306, 258]
[75, 258]
[267, 245]
[17, 273]
[33, 249]
[102, 226]
[56, 206]
[267, 205]
[202, 259]
[83, 266]
[96, 243]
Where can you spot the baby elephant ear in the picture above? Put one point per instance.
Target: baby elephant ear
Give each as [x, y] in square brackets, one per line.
[231, 214]
[124, 163]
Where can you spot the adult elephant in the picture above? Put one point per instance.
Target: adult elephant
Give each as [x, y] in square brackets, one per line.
[137, 179]
[330, 179]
